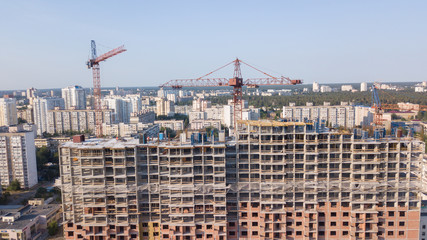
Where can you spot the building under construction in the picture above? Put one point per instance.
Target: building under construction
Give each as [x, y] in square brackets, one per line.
[273, 180]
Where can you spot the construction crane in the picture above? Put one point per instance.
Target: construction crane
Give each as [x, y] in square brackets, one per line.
[379, 108]
[237, 82]
[376, 106]
[94, 64]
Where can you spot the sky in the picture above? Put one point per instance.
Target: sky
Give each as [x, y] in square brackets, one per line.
[45, 44]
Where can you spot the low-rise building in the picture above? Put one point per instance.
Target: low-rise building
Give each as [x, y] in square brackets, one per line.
[27, 222]
[176, 125]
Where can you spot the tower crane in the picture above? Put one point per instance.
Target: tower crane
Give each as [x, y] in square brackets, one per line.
[94, 64]
[379, 108]
[237, 82]
[376, 106]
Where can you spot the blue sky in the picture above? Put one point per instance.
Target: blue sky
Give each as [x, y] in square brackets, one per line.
[45, 44]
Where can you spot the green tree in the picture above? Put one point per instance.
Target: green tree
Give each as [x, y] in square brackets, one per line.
[41, 192]
[14, 186]
[52, 228]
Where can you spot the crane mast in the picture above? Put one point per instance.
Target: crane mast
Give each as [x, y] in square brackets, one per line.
[96, 74]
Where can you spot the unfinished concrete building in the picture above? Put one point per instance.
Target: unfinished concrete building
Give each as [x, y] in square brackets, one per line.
[274, 180]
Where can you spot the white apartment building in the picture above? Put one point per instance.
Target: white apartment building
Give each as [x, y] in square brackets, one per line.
[123, 106]
[74, 97]
[364, 87]
[60, 121]
[341, 115]
[41, 106]
[200, 104]
[18, 157]
[346, 88]
[8, 115]
[176, 125]
[316, 87]
[204, 123]
[130, 129]
[325, 88]
[164, 107]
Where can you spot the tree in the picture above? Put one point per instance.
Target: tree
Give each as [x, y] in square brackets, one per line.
[14, 186]
[41, 192]
[52, 228]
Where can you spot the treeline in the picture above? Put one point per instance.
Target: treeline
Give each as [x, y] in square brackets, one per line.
[335, 98]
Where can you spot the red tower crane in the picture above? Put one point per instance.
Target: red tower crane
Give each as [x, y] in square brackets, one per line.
[94, 64]
[236, 82]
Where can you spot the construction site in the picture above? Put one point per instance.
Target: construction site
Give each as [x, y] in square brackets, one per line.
[272, 180]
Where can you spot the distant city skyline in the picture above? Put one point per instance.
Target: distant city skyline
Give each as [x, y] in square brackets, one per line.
[46, 43]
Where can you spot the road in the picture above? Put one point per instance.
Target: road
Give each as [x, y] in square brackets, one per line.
[16, 198]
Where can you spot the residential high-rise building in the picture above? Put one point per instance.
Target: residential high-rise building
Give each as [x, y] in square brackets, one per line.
[343, 115]
[123, 106]
[8, 115]
[274, 180]
[363, 87]
[316, 87]
[74, 97]
[17, 157]
[61, 121]
[41, 106]
[164, 107]
[31, 94]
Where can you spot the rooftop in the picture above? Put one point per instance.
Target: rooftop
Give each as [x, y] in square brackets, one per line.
[28, 214]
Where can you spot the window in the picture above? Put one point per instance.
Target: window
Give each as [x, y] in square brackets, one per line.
[299, 214]
[401, 224]
[333, 214]
[391, 214]
[200, 236]
[390, 224]
[299, 233]
[345, 214]
[209, 236]
[333, 224]
[254, 214]
[288, 233]
[322, 233]
[289, 223]
[244, 224]
[424, 226]
[166, 236]
[255, 233]
[321, 224]
[244, 214]
[244, 205]
[390, 233]
[232, 233]
[333, 233]
[254, 224]
[166, 226]
[244, 233]
[401, 233]
[231, 224]
[288, 214]
[345, 223]
[345, 233]
[321, 214]
[402, 214]
[209, 226]
[299, 223]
